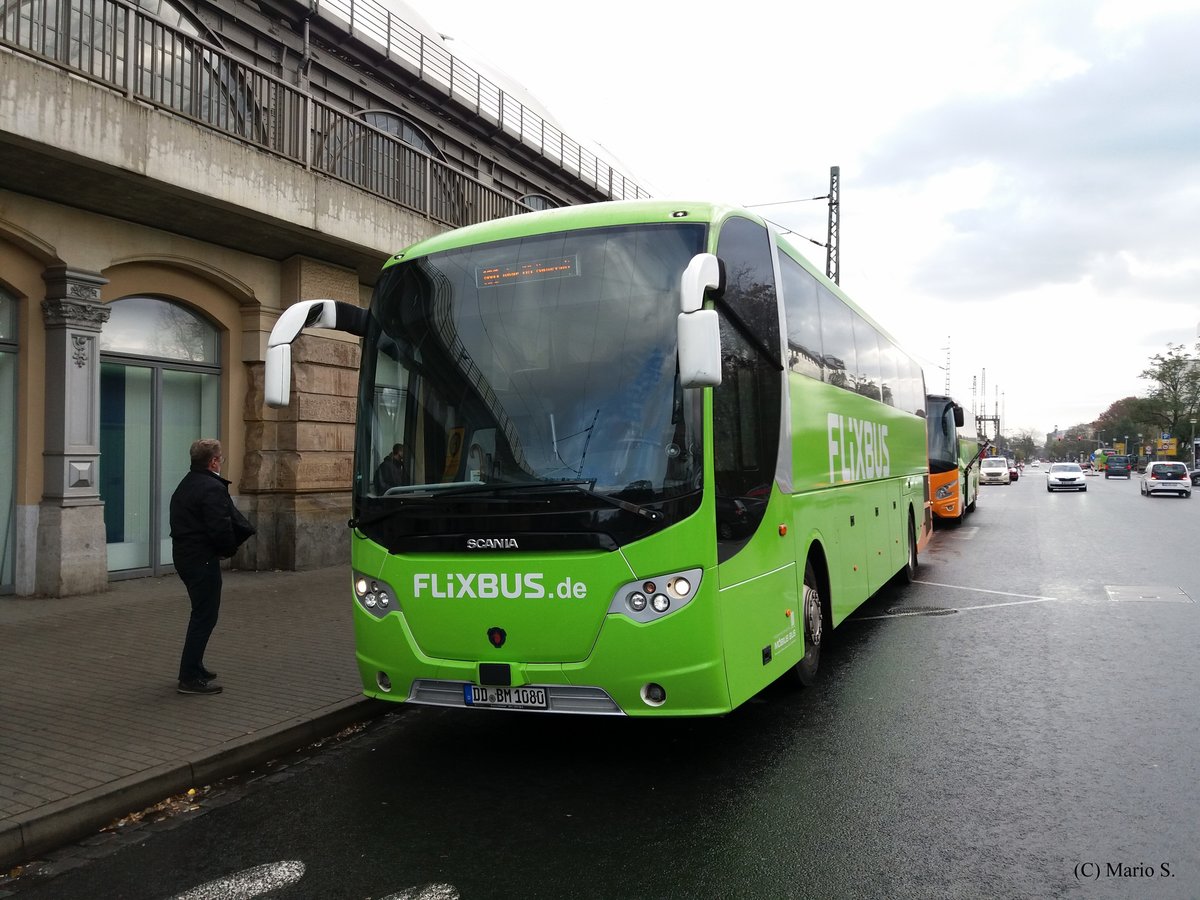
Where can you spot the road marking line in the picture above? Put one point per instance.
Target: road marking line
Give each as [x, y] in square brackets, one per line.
[428, 892]
[1026, 599]
[925, 612]
[959, 587]
[248, 883]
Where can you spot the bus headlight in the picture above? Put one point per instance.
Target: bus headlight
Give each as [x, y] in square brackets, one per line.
[374, 595]
[946, 490]
[649, 599]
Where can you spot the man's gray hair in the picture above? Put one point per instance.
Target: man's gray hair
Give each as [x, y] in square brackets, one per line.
[205, 451]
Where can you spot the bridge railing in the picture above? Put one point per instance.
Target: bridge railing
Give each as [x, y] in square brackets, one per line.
[180, 72]
[373, 23]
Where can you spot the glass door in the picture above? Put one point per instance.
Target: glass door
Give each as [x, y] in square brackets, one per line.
[159, 392]
[189, 412]
[126, 463]
[8, 442]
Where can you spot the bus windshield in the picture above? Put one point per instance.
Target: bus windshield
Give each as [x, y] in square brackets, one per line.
[943, 435]
[541, 360]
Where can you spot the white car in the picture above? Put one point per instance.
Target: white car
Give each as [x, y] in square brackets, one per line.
[994, 470]
[1065, 476]
[1162, 477]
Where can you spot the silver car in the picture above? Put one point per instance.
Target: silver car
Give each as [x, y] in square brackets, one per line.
[1065, 476]
[1163, 477]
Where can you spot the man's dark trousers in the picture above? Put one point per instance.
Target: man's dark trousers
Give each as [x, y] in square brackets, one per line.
[203, 583]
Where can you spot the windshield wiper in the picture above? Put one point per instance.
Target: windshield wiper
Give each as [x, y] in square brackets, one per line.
[425, 494]
[585, 486]
[580, 485]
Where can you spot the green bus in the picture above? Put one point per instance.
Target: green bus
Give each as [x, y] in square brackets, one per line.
[644, 457]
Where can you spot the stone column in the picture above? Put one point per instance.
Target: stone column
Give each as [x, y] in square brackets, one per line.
[72, 553]
[299, 461]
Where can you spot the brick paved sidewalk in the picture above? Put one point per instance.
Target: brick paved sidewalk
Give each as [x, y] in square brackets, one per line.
[91, 727]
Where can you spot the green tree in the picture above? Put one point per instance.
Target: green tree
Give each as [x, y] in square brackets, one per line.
[1131, 417]
[1174, 392]
[1025, 446]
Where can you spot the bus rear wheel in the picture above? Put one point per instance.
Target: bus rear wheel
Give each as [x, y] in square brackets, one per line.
[909, 573]
[812, 614]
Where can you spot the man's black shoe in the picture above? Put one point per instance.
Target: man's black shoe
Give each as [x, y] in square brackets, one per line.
[198, 686]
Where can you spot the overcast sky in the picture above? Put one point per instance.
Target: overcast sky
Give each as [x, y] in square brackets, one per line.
[1020, 181]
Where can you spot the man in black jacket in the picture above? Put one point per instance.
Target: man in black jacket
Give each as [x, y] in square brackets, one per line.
[391, 471]
[205, 528]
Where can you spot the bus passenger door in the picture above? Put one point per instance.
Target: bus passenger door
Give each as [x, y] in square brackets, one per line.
[756, 570]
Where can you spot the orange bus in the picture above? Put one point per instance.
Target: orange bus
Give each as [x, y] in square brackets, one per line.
[953, 460]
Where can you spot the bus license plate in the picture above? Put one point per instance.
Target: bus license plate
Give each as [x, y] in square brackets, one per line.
[509, 697]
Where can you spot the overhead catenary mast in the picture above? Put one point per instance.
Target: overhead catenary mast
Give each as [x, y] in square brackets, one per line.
[832, 243]
[982, 420]
[947, 365]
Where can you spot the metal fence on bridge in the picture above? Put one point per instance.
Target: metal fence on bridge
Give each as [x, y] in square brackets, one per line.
[179, 71]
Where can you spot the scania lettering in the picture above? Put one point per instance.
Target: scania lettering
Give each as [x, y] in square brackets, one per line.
[492, 544]
[653, 457]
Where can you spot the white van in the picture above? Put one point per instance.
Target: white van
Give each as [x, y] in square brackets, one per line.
[994, 470]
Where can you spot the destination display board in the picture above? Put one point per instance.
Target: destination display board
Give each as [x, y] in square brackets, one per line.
[535, 270]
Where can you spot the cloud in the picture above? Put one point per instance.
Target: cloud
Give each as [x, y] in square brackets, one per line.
[1092, 171]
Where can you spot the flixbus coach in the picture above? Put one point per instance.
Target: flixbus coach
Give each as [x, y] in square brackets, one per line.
[651, 457]
[953, 460]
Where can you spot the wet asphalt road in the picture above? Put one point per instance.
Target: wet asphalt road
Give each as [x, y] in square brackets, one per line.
[1004, 728]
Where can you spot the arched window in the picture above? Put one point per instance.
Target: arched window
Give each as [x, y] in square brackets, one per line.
[388, 154]
[175, 16]
[8, 438]
[173, 70]
[371, 149]
[403, 128]
[539, 202]
[160, 381]
[148, 326]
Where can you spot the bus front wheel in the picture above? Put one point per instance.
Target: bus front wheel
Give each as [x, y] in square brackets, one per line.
[813, 616]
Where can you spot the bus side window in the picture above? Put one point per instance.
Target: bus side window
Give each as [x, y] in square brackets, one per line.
[803, 314]
[837, 339]
[867, 376]
[890, 362]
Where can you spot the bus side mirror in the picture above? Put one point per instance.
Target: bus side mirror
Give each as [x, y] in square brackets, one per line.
[698, 330]
[958, 416]
[277, 376]
[277, 373]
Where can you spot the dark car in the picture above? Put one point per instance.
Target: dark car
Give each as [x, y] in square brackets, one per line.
[1119, 467]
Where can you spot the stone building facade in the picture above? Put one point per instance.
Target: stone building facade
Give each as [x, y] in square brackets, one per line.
[156, 217]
